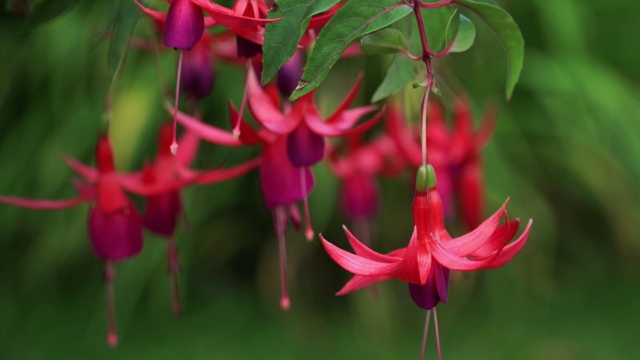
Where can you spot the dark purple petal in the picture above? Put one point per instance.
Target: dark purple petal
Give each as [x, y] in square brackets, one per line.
[184, 25]
[433, 291]
[247, 48]
[360, 196]
[304, 147]
[280, 181]
[197, 72]
[163, 211]
[115, 235]
[289, 75]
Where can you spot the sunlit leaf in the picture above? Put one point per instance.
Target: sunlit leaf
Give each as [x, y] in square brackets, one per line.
[466, 35]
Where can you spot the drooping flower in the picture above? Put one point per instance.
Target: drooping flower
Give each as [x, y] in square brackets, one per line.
[160, 184]
[302, 123]
[282, 184]
[483, 248]
[115, 228]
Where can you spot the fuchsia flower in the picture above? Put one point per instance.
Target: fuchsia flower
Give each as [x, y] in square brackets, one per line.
[115, 228]
[282, 184]
[431, 252]
[184, 23]
[302, 123]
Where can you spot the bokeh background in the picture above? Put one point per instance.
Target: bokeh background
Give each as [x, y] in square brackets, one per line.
[566, 150]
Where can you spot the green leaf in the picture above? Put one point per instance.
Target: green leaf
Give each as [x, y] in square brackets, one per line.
[354, 20]
[402, 71]
[22, 18]
[385, 41]
[125, 16]
[466, 35]
[441, 26]
[507, 31]
[281, 38]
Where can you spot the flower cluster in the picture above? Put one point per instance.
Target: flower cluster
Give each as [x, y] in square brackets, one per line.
[292, 135]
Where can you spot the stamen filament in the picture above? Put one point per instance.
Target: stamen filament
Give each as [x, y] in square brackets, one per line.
[424, 334]
[243, 104]
[109, 278]
[173, 262]
[308, 233]
[174, 143]
[435, 323]
[280, 223]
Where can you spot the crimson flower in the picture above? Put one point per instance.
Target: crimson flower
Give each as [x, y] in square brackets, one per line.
[160, 184]
[302, 123]
[431, 252]
[281, 183]
[184, 23]
[115, 228]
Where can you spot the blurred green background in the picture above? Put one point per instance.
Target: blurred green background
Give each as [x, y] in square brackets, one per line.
[566, 150]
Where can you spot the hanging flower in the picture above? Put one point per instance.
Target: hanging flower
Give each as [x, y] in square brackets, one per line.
[431, 251]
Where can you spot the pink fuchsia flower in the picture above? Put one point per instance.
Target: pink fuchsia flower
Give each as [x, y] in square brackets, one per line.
[184, 23]
[115, 228]
[281, 183]
[431, 251]
[302, 123]
[160, 184]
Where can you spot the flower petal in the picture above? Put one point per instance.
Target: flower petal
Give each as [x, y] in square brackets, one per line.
[44, 204]
[219, 175]
[265, 111]
[227, 18]
[362, 250]
[81, 169]
[509, 251]
[455, 262]
[359, 265]
[497, 239]
[205, 131]
[468, 243]
[358, 282]
[347, 100]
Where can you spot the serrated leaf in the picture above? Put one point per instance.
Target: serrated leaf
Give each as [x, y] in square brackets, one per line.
[508, 33]
[281, 38]
[402, 71]
[354, 20]
[125, 17]
[466, 35]
[385, 41]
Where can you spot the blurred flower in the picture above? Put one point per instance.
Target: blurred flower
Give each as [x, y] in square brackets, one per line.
[454, 154]
[115, 228]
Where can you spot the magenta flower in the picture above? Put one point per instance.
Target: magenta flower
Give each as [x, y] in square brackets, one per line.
[184, 23]
[115, 228]
[302, 123]
[431, 252]
[282, 184]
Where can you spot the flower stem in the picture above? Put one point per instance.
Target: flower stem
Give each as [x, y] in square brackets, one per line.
[424, 334]
[173, 262]
[279, 223]
[174, 143]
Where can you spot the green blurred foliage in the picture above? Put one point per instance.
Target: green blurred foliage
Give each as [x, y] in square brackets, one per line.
[566, 151]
